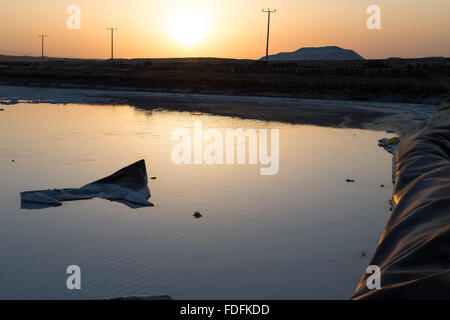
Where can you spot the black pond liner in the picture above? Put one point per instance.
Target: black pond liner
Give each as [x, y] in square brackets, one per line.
[414, 251]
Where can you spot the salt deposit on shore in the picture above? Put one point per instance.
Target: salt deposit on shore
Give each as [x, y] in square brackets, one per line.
[398, 117]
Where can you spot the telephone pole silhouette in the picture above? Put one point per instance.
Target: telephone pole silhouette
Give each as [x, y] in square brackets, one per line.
[269, 12]
[112, 41]
[42, 36]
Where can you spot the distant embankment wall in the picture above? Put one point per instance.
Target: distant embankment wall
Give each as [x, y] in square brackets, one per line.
[418, 81]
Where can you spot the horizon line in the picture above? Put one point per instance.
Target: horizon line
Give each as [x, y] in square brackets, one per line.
[202, 57]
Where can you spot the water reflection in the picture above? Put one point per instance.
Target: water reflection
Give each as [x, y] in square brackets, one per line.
[298, 234]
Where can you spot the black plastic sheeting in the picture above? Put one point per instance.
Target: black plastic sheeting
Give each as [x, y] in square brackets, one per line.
[414, 251]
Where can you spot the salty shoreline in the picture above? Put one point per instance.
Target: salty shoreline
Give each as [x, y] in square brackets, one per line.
[397, 117]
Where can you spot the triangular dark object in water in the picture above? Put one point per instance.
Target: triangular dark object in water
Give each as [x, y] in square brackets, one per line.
[129, 186]
[133, 177]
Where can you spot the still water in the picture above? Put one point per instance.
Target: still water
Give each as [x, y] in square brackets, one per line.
[303, 233]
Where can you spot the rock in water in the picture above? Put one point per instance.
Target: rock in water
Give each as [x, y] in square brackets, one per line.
[197, 215]
[129, 186]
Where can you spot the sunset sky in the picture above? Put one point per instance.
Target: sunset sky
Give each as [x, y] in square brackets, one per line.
[226, 28]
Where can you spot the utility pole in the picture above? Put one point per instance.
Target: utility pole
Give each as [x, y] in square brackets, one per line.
[112, 41]
[42, 36]
[268, 29]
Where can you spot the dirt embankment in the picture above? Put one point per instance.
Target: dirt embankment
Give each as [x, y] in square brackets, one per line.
[404, 80]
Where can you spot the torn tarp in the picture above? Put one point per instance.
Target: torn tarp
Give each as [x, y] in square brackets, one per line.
[128, 186]
[414, 251]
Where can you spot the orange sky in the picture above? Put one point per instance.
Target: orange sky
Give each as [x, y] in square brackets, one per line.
[231, 28]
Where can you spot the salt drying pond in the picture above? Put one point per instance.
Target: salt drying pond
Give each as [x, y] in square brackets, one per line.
[304, 233]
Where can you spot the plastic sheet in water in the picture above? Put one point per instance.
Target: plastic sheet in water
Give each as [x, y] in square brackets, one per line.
[129, 186]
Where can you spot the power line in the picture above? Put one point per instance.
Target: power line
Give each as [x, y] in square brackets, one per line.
[268, 29]
[112, 40]
[42, 36]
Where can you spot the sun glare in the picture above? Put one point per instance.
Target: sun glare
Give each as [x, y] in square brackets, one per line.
[189, 27]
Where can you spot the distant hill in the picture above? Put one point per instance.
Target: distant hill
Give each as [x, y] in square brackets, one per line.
[319, 53]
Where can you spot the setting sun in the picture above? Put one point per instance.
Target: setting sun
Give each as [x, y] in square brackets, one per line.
[188, 27]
